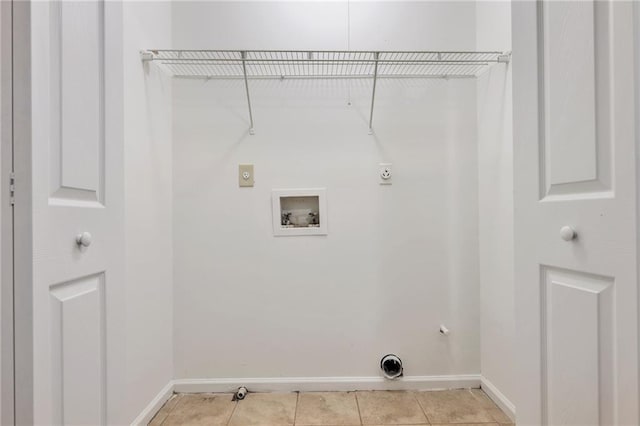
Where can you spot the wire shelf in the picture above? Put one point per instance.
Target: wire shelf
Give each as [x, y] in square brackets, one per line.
[280, 64]
[323, 64]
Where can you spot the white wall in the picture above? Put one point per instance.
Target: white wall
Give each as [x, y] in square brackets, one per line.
[322, 25]
[398, 260]
[495, 182]
[147, 206]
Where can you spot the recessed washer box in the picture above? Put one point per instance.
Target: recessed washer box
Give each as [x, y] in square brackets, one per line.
[299, 211]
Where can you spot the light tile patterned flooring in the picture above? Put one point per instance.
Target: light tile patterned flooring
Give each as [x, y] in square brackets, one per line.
[464, 407]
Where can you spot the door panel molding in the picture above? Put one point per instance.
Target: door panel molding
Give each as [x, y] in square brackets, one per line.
[575, 105]
[578, 344]
[78, 351]
[77, 47]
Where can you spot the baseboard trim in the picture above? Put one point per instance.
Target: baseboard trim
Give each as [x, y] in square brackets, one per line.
[315, 384]
[154, 406]
[498, 397]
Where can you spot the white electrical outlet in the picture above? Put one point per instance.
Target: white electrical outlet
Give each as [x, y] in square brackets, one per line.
[385, 173]
[245, 175]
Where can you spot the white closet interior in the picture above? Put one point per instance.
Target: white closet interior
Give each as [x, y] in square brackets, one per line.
[318, 95]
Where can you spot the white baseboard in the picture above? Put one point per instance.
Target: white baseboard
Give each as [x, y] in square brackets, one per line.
[499, 398]
[315, 384]
[154, 406]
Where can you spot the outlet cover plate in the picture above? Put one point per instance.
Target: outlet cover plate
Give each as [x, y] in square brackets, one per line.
[385, 174]
[245, 175]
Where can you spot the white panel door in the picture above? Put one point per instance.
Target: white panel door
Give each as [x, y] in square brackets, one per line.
[77, 169]
[575, 215]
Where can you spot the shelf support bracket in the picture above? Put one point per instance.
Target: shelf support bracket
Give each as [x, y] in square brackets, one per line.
[147, 55]
[505, 57]
[246, 86]
[373, 93]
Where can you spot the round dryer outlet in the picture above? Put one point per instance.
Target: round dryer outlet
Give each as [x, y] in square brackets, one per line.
[391, 366]
[385, 173]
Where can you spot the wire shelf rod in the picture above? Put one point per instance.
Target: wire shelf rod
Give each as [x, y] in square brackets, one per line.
[246, 86]
[328, 61]
[373, 94]
[434, 53]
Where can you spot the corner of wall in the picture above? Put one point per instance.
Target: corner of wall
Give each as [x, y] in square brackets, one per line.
[148, 210]
[495, 183]
[499, 398]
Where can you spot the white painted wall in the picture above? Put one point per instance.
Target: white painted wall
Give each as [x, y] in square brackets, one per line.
[495, 183]
[320, 25]
[398, 260]
[147, 206]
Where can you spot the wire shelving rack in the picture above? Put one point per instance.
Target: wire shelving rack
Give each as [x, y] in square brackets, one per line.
[285, 64]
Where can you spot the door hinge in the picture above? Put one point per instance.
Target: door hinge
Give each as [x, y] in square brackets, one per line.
[12, 188]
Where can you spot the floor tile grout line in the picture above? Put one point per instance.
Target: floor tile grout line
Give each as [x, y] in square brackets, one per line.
[295, 412]
[355, 394]
[426, 416]
[232, 412]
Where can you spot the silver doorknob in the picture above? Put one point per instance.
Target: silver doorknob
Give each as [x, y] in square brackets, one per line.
[83, 239]
[567, 233]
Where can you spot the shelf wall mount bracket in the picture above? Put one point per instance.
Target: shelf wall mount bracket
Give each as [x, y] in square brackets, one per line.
[147, 55]
[376, 56]
[243, 55]
[505, 58]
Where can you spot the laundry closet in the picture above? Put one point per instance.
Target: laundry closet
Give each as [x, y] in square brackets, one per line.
[284, 196]
[335, 92]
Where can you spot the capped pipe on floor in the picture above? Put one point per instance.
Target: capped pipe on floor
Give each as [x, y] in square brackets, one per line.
[240, 394]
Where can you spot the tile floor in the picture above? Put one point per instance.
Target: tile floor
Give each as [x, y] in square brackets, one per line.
[465, 407]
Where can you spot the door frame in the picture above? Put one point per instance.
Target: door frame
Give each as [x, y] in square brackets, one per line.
[6, 215]
[636, 63]
[17, 394]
